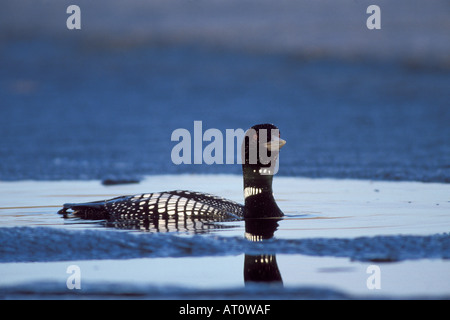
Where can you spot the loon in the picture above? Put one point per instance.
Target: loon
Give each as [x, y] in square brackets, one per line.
[260, 150]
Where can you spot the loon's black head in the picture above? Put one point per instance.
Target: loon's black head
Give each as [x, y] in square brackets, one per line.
[261, 147]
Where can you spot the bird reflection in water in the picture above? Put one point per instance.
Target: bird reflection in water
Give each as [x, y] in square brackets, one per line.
[261, 268]
[162, 223]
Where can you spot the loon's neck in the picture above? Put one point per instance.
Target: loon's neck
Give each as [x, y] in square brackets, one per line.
[258, 194]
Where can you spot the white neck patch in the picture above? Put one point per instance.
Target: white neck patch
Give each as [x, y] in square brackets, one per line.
[251, 191]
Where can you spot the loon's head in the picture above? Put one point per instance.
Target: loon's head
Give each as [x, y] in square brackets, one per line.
[261, 147]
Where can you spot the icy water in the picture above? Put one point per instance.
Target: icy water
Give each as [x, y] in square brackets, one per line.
[334, 230]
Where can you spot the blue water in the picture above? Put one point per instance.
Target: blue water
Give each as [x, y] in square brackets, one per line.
[83, 109]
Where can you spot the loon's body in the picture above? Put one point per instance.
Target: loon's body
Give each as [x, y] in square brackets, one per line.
[168, 204]
[259, 200]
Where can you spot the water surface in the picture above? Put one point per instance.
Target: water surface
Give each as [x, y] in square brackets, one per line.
[333, 231]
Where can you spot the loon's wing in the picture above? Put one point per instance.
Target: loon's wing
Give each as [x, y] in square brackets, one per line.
[168, 204]
[211, 204]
